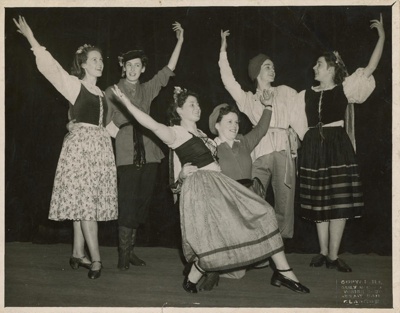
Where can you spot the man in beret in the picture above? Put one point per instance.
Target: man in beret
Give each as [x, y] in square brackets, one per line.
[137, 154]
[273, 158]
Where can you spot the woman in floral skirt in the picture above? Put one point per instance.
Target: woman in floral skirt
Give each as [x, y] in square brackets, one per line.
[85, 184]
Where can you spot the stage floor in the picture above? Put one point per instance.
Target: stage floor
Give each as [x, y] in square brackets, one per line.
[40, 276]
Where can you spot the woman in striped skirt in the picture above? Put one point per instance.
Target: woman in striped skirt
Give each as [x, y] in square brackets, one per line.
[219, 231]
[330, 186]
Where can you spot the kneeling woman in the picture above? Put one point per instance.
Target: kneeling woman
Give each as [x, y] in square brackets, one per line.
[218, 233]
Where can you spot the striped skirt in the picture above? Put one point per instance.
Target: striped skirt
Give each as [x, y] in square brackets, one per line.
[330, 185]
[224, 224]
[85, 184]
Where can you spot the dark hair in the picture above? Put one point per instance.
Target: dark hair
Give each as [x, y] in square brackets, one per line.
[334, 59]
[133, 54]
[179, 98]
[225, 111]
[81, 56]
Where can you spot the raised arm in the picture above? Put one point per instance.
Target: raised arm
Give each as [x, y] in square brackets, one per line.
[68, 85]
[162, 131]
[376, 55]
[229, 81]
[175, 54]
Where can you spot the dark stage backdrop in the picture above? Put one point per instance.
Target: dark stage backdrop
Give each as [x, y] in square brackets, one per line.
[36, 114]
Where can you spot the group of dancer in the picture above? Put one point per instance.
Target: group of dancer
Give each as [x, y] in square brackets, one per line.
[226, 224]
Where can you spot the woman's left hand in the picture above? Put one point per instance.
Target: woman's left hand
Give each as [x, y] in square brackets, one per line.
[379, 26]
[178, 30]
[187, 170]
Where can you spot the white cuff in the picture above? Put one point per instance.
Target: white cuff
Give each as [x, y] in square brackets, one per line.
[112, 129]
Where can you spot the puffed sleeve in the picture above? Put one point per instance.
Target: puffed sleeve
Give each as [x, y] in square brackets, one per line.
[298, 117]
[180, 136]
[68, 85]
[357, 87]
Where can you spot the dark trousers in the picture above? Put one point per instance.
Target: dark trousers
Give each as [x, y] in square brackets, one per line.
[135, 190]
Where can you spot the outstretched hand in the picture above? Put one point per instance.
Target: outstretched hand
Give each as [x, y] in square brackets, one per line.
[379, 26]
[177, 28]
[121, 96]
[224, 43]
[23, 27]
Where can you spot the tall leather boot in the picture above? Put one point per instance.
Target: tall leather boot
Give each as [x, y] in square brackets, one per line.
[124, 248]
[133, 258]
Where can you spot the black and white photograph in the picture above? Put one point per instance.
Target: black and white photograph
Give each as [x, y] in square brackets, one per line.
[179, 156]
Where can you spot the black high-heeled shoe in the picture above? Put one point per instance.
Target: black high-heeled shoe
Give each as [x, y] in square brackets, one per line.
[94, 274]
[278, 279]
[210, 280]
[189, 286]
[75, 263]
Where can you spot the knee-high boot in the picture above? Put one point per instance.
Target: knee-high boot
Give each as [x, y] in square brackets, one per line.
[133, 258]
[124, 248]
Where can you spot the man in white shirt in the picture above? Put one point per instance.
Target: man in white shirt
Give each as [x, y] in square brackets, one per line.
[274, 156]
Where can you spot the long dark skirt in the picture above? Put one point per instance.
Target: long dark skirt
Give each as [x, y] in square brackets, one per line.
[330, 185]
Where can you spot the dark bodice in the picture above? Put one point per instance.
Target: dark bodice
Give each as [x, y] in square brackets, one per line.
[333, 107]
[87, 108]
[194, 151]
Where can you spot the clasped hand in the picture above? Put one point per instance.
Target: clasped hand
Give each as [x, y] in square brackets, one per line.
[266, 97]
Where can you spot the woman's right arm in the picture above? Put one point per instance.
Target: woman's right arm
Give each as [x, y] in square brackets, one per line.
[165, 133]
[69, 86]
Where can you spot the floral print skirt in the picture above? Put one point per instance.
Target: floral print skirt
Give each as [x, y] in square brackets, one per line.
[85, 184]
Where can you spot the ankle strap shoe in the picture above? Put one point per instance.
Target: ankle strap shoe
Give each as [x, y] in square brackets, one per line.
[188, 286]
[278, 280]
[75, 263]
[94, 274]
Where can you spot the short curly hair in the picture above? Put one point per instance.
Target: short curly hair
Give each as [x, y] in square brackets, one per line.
[133, 54]
[226, 110]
